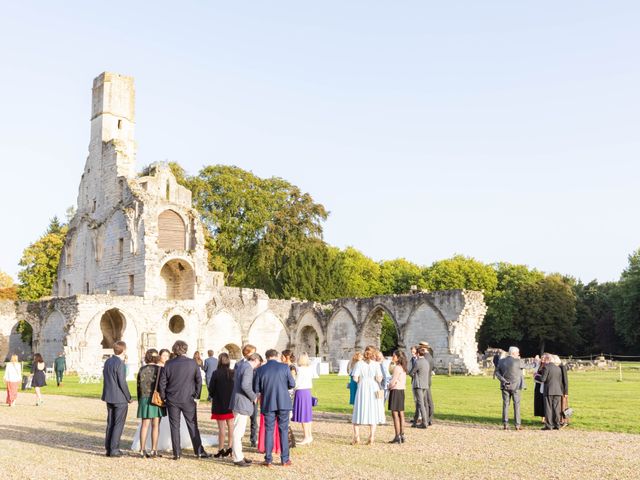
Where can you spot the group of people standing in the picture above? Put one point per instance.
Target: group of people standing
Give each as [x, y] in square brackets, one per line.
[37, 379]
[169, 384]
[371, 383]
[550, 393]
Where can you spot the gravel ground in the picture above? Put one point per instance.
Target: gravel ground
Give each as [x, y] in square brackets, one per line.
[64, 440]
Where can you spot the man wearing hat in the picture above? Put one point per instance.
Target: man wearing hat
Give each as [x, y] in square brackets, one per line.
[421, 376]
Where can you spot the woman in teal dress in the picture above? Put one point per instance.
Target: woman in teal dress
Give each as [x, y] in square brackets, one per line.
[366, 409]
[148, 413]
[353, 385]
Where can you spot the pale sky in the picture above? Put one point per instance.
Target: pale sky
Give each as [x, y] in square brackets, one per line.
[502, 130]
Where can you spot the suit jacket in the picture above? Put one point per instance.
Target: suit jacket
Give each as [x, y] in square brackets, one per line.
[421, 373]
[552, 379]
[273, 381]
[509, 372]
[243, 395]
[180, 381]
[115, 388]
[210, 366]
[565, 380]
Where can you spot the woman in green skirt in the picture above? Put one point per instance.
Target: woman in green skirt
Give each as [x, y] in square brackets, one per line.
[149, 413]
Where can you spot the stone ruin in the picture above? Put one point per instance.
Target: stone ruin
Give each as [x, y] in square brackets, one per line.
[134, 268]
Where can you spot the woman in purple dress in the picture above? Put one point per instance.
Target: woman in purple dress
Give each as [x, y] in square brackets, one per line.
[302, 405]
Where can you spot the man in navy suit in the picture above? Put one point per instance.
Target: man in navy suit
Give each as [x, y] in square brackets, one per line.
[180, 386]
[273, 381]
[115, 392]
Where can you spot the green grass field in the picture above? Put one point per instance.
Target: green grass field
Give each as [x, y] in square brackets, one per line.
[599, 400]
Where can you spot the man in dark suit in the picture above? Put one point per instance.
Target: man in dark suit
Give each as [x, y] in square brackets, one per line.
[247, 351]
[242, 404]
[553, 391]
[59, 365]
[115, 392]
[273, 381]
[421, 380]
[210, 366]
[509, 372]
[179, 386]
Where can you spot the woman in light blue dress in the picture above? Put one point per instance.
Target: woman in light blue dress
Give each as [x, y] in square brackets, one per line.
[366, 406]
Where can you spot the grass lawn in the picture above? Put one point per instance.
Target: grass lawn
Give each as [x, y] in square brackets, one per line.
[599, 400]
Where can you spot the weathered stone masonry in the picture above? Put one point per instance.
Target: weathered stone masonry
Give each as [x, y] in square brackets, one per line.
[134, 267]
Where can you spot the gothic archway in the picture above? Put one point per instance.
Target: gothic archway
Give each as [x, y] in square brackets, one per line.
[112, 325]
[179, 280]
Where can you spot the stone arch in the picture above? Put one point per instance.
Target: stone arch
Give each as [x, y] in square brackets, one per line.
[24, 350]
[172, 231]
[267, 331]
[118, 324]
[372, 326]
[221, 330]
[341, 336]
[178, 280]
[426, 323]
[309, 335]
[52, 336]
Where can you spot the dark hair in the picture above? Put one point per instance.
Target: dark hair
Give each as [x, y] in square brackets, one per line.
[210, 353]
[248, 349]
[422, 351]
[151, 356]
[119, 347]
[224, 364]
[271, 353]
[180, 348]
[288, 354]
[402, 359]
[254, 356]
[37, 358]
[162, 350]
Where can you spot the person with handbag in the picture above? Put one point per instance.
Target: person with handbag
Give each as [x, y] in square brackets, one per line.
[366, 406]
[302, 399]
[150, 405]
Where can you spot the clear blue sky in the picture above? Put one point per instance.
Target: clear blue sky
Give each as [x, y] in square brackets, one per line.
[497, 129]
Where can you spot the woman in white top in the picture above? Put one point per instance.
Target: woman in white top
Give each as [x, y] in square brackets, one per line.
[12, 378]
[302, 400]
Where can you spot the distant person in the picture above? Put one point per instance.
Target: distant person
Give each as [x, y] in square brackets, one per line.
[302, 401]
[538, 396]
[417, 417]
[210, 366]
[384, 383]
[353, 385]
[180, 386]
[273, 381]
[551, 378]
[115, 392]
[148, 413]
[12, 379]
[397, 386]
[247, 351]
[164, 356]
[428, 356]
[365, 408]
[198, 359]
[509, 372]
[38, 369]
[564, 420]
[220, 389]
[421, 375]
[60, 366]
[243, 399]
[496, 361]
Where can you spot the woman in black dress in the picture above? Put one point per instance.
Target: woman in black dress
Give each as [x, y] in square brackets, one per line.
[220, 389]
[538, 397]
[39, 378]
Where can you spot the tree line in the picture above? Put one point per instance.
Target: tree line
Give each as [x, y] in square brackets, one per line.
[266, 233]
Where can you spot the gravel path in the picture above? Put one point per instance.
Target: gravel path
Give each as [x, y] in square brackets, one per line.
[64, 440]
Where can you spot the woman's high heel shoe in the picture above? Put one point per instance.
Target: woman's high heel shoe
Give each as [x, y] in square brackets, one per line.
[227, 452]
[402, 440]
[219, 454]
[397, 439]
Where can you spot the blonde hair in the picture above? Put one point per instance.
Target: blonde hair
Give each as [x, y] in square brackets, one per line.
[556, 360]
[303, 359]
[370, 353]
[14, 358]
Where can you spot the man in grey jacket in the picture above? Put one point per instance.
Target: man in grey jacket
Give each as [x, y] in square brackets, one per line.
[210, 366]
[509, 372]
[421, 375]
[243, 399]
[553, 391]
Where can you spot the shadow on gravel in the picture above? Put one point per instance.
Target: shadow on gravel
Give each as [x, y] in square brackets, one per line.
[59, 439]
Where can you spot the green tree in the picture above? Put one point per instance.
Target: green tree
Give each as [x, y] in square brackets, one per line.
[8, 290]
[547, 312]
[388, 335]
[460, 272]
[502, 326]
[399, 275]
[359, 275]
[627, 303]
[595, 318]
[40, 263]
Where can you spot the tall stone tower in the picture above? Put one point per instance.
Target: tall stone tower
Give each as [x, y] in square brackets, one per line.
[131, 235]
